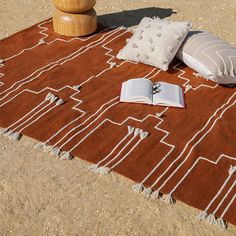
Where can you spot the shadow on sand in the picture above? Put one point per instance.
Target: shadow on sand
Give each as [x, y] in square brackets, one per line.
[133, 17]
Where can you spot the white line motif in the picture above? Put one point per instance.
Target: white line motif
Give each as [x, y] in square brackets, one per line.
[127, 143]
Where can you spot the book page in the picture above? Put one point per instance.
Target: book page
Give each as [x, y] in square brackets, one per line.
[137, 90]
[169, 95]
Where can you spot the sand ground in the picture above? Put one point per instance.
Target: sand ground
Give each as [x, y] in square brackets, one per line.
[41, 195]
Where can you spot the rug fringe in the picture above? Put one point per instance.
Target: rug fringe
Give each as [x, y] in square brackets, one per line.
[8, 133]
[3, 130]
[211, 219]
[93, 167]
[55, 151]
[156, 195]
[104, 170]
[202, 215]
[47, 148]
[65, 156]
[221, 223]
[169, 199]
[147, 192]
[40, 145]
[15, 136]
[138, 188]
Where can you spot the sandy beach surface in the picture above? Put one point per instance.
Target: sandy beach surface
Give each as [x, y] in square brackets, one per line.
[41, 195]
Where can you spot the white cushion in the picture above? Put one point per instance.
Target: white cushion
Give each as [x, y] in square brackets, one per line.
[210, 56]
[155, 42]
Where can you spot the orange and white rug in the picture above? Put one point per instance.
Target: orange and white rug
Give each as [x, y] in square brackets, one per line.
[64, 92]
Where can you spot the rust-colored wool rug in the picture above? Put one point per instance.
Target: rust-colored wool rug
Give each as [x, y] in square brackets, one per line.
[64, 92]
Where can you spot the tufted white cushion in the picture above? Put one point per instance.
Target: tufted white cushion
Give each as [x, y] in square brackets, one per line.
[210, 56]
[155, 42]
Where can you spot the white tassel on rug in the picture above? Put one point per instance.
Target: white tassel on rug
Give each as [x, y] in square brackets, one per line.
[130, 129]
[55, 151]
[137, 131]
[202, 215]
[60, 102]
[3, 130]
[53, 98]
[39, 145]
[221, 223]
[143, 134]
[156, 195]
[48, 96]
[138, 188]
[188, 87]
[8, 133]
[77, 87]
[232, 170]
[42, 41]
[112, 64]
[15, 136]
[93, 167]
[47, 148]
[211, 219]
[104, 170]
[147, 192]
[169, 199]
[65, 156]
[159, 115]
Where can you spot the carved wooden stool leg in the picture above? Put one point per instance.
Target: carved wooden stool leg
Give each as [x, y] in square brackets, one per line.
[74, 17]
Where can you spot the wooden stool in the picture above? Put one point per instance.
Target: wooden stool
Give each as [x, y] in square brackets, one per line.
[74, 17]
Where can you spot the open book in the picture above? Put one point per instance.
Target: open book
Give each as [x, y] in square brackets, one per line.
[142, 90]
